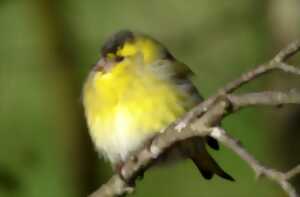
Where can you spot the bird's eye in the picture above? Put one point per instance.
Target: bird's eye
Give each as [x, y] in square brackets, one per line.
[119, 58]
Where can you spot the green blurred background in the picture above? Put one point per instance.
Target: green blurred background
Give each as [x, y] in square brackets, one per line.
[48, 46]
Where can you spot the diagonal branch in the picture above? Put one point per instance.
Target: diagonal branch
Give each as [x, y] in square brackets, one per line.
[277, 63]
[263, 98]
[204, 119]
[278, 177]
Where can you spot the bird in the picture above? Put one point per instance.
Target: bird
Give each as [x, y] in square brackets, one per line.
[134, 91]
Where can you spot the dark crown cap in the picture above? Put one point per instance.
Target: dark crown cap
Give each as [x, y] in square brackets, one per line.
[116, 41]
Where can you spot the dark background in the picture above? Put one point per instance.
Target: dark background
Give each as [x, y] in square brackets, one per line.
[48, 46]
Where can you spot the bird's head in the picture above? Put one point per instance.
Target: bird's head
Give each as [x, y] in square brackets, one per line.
[128, 46]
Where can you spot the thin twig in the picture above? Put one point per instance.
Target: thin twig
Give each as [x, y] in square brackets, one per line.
[293, 172]
[260, 170]
[287, 52]
[277, 63]
[263, 98]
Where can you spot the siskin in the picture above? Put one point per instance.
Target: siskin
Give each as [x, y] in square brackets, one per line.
[134, 91]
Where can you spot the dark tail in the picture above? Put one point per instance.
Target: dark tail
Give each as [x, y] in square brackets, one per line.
[204, 162]
[209, 167]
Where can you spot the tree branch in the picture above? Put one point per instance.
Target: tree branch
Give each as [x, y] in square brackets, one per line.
[260, 170]
[204, 119]
[264, 98]
[277, 63]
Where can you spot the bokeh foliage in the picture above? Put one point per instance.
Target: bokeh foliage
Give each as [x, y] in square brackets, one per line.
[46, 50]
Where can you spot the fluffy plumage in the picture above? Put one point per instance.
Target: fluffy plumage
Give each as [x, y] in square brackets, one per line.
[135, 90]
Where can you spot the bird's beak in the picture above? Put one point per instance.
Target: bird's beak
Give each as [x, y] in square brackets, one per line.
[103, 65]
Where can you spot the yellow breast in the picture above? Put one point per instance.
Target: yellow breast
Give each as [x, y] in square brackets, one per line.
[127, 106]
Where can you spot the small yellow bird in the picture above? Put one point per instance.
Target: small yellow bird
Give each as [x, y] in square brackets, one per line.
[135, 90]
